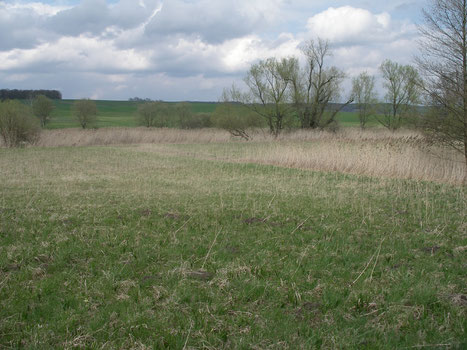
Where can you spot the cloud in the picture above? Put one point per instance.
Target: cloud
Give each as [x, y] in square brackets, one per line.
[351, 25]
[361, 40]
[21, 25]
[180, 49]
[214, 21]
[97, 17]
[72, 54]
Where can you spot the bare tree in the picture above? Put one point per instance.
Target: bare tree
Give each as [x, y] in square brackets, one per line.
[402, 83]
[364, 94]
[315, 86]
[443, 63]
[268, 83]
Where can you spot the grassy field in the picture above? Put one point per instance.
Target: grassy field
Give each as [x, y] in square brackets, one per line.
[110, 113]
[150, 246]
[123, 114]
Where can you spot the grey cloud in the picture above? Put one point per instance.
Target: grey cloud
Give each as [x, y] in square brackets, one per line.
[95, 16]
[19, 28]
[213, 22]
[90, 16]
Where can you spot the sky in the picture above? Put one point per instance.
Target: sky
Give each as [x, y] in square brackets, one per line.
[189, 50]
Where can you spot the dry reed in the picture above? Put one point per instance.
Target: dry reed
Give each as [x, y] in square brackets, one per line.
[403, 158]
[376, 152]
[125, 136]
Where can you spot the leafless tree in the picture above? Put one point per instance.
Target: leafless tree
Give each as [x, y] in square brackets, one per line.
[315, 86]
[364, 94]
[402, 83]
[268, 83]
[443, 63]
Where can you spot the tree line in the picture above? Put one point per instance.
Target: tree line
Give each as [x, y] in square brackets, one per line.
[288, 92]
[15, 94]
[280, 89]
[284, 92]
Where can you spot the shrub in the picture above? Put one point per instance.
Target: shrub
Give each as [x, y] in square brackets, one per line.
[17, 124]
[85, 112]
[42, 107]
[185, 114]
[235, 119]
[153, 114]
[196, 121]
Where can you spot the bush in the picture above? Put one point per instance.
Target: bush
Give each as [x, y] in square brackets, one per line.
[196, 121]
[235, 119]
[17, 124]
[85, 112]
[42, 107]
[153, 114]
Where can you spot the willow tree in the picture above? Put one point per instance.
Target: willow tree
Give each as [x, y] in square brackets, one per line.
[42, 108]
[316, 86]
[365, 96]
[402, 84]
[85, 112]
[268, 82]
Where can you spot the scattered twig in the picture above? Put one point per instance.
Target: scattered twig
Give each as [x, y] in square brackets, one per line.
[188, 336]
[377, 256]
[361, 273]
[272, 200]
[209, 251]
[175, 233]
[300, 225]
[429, 346]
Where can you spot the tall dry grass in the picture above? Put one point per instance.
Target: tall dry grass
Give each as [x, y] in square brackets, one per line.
[375, 152]
[125, 136]
[387, 157]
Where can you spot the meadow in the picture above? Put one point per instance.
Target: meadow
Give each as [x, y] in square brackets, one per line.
[110, 113]
[159, 238]
[124, 114]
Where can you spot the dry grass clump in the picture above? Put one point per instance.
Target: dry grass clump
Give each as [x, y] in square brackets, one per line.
[120, 136]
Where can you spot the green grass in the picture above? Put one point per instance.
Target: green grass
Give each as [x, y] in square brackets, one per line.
[123, 114]
[118, 247]
[110, 113]
[350, 119]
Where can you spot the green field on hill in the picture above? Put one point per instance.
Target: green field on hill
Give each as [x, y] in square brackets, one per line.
[123, 113]
[110, 113]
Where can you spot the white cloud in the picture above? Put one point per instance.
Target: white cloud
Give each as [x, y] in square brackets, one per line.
[71, 54]
[38, 8]
[349, 24]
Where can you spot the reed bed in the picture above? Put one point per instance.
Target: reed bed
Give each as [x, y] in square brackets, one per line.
[402, 158]
[375, 152]
[125, 136]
